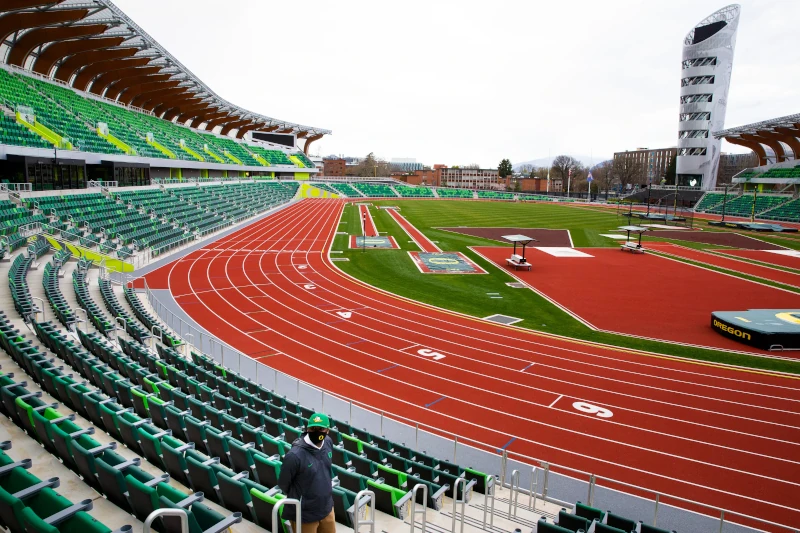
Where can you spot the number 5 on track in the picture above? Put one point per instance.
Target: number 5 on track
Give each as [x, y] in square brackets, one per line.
[590, 409]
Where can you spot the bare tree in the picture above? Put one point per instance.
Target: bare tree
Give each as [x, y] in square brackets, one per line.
[628, 170]
[472, 166]
[562, 165]
[371, 167]
[603, 175]
[539, 172]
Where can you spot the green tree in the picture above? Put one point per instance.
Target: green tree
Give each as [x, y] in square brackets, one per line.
[505, 169]
[671, 171]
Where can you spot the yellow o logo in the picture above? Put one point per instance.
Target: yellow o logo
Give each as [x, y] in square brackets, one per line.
[788, 317]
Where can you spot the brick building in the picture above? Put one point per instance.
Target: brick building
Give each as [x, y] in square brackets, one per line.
[334, 167]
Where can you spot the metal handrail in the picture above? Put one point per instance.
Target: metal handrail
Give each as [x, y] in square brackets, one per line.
[298, 518]
[414, 511]
[513, 494]
[463, 501]
[357, 522]
[180, 513]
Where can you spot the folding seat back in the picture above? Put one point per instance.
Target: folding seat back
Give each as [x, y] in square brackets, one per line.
[241, 456]
[143, 498]
[263, 505]
[196, 432]
[235, 491]
[382, 443]
[402, 450]
[351, 444]
[482, 479]
[234, 425]
[343, 501]
[251, 435]
[435, 492]
[293, 419]
[543, 526]
[427, 460]
[290, 434]
[589, 513]
[392, 477]
[350, 480]
[174, 460]
[572, 522]
[338, 457]
[254, 418]
[272, 426]
[620, 522]
[361, 435]
[267, 469]
[449, 467]
[272, 446]
[363, 466]
[150, 442]
[218, 444]
[392, 501]
[71, 520]
[375, 454]
[176, 421]
[203, 477]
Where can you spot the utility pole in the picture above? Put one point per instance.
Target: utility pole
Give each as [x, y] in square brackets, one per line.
[724, 201]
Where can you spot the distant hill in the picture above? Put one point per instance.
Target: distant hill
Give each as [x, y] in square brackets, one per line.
[548, 161]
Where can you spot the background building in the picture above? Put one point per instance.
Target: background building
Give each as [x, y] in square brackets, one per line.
[472, 178]
[405, 164]
[334, 167]
[654, 163]
[705, 79]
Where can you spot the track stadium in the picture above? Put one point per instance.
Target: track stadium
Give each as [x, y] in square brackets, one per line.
[185, 288]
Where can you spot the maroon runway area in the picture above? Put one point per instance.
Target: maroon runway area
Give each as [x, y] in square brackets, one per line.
[419, 238]
[720, 238]
[713, 434]
[544, 237]
[368, 225]
[751, 269]
[673, 302]
[787, 261]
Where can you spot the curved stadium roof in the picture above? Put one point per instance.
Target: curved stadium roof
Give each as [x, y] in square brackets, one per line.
[92, 46]
[781, 135]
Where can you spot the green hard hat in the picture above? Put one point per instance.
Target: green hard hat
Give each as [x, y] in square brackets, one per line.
[319, 420]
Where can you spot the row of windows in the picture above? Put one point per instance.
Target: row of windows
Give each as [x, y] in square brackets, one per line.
[692, 151]
[696, 98]
[697, 80]
[700, 62]
[695, 116]
[693, 134]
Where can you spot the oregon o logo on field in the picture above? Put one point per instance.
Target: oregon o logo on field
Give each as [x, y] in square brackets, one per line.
[445, 263]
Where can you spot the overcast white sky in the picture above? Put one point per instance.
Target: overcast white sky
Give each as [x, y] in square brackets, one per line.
[463, 81]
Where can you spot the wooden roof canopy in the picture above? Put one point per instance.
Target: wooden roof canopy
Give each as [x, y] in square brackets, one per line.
[92, 46]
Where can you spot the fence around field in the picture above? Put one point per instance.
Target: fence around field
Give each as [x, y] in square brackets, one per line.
[538, 479]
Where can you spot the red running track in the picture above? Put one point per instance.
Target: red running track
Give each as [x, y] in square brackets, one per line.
[421, 240]
[368, 228]
[787, 261]
[713, 434]
[763, 272]
[673, 302]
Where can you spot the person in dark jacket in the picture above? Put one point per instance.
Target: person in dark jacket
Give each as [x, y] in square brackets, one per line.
[306, 476]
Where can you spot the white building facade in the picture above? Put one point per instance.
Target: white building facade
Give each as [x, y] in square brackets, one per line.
[705, 79]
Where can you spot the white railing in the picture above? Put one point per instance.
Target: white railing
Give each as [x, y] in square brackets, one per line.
[15, 187]
[556, 483]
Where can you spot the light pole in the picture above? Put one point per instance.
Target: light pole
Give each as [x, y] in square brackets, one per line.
[649, 191]
[724, 201]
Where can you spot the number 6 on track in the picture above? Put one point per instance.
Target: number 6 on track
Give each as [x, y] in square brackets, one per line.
[588, 408]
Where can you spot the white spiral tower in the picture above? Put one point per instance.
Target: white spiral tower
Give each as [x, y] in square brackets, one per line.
[705, 79]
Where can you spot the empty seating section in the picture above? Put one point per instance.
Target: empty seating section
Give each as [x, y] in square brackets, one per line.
[58, 303]
[586, 518]
[305, 160]
[789, 211]
[743, 205]
[77, 117]
[374, 190]
[24, 91]
[13, 216]
[273, 157]
[211, 429]
[782, 172]
[325, 187]
[495, 195]
[29, 504]
[453, 193]
[346, 190]
[414, 192]
[709, 200]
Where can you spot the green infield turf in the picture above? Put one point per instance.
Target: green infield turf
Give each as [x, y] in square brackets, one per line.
[476, 295]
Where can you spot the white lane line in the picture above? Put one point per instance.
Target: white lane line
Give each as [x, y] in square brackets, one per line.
[554, 401]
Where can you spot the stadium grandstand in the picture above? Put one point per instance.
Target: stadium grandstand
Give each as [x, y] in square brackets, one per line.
[86, 94]
[770, 190]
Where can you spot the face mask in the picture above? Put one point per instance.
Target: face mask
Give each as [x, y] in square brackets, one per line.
[317, 437]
